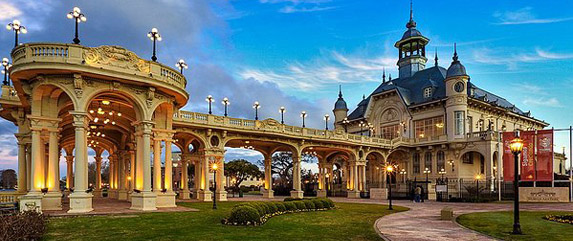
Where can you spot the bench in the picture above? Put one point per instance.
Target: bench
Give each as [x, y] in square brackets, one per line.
[447, 213]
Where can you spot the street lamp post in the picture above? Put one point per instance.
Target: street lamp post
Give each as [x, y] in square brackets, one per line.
[303, 116]
[326, 117]
[427, 171]
[389, 170]
[256, 106]
[345, 123]
[226, 103]
[214, 167]
[516, 146]
[5, 64]
[370, 129]
[210, 100]
[181, 65]
[18, 28]
[154, 36]
[282, 111]
[361, 124]
[442, 172]
[78, 17]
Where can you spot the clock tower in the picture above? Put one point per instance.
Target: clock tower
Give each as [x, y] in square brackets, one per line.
[456, 83]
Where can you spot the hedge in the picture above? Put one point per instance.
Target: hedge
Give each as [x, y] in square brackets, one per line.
[257, 213]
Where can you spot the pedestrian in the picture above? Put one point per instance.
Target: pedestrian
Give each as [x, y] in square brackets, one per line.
[417, 193]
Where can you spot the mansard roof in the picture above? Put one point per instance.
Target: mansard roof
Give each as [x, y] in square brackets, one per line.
[411, 91]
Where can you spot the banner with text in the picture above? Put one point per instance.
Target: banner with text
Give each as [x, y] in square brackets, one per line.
[508, 167]
[528, 156]
[544, 165]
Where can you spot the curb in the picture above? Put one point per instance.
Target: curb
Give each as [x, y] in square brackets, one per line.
[455, 221]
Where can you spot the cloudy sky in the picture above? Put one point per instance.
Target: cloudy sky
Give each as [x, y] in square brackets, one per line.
[295, 53]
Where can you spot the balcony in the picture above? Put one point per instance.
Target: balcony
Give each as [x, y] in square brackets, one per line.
[109, 61]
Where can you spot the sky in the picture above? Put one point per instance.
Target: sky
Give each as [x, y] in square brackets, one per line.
[295, 53]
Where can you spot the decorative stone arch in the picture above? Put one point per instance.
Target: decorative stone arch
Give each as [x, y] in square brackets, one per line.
[139, 106]
[188, 138]
[55, 91]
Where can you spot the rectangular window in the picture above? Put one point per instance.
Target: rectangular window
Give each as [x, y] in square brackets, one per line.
[459, 117]
[416, 163]
[471, 124]
[390, 132]
[430, 127]
[441, 160]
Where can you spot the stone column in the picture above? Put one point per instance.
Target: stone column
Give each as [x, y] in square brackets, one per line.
[80, 201]
[70, 171]
[268, 192]
[33, 199]
[97, 189]
[111, 178]
[52, 200]
[221, 193]
[204, 194]
[296, 192]
[157, 187]
[122, 192]
[363, 167]
[321, 180]
[353, 192]
[29, 167]
[184, 193]
[132, 170]
[22, 168]
[144, 200]
[168, 166]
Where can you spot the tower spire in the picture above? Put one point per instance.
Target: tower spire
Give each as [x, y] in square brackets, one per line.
[436, 57]
[411, 23]
[455, 58]
[383, 75]
[411, 11]
[339, 91]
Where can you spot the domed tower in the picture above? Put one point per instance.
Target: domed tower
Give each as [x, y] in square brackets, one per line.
[340, 110]
[457, 103]
[411, 49]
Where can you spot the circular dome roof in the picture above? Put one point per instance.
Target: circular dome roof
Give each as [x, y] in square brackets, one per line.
[340, 104]
[411, 32]
[456, 69]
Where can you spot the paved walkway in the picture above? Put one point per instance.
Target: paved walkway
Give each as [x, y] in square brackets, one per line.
[422, 221]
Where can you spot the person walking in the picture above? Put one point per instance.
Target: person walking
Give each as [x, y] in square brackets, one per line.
[417, 194]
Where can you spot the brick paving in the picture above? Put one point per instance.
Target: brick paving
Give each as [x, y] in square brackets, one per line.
[108, 206]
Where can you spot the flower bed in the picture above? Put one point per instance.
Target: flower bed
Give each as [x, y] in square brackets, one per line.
[560, 218]
[257, 213]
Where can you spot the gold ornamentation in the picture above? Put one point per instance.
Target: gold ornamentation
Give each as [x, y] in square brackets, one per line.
[115, 56]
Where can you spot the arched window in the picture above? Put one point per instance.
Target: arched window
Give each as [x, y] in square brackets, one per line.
[441, 159]
[416, 163]
[428, 161]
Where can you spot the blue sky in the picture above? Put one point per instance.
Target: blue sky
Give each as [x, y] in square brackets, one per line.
[295, 53]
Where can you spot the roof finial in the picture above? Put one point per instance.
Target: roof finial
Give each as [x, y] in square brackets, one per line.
[455, 58]
[411, 23]
[390, 77]
[383, 75]
[436, 57]
[363, 96]
[339, 91]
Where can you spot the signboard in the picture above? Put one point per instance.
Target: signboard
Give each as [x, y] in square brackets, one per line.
[544, 165]
[544, 194]
[536, 159]
[508, 170]
[527, 163]
[442, 188]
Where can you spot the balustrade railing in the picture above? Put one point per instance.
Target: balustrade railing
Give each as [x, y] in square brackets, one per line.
[9, 197]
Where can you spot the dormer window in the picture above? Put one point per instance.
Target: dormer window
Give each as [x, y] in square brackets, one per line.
[428, 92]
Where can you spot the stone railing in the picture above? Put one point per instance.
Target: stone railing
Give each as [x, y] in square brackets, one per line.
[9, 197]
[112, 58]
[482, 136]
[9, 94]
[273, 126]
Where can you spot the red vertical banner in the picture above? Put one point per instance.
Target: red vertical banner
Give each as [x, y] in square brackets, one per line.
[527, 164]
[545, 155]
[508, 170]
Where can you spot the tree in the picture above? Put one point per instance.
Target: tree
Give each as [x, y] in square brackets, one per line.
[281, 164]
[104, 173]
[9, 179]
[240, 170]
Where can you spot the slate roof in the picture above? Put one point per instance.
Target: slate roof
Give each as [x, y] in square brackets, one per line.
[411, 90]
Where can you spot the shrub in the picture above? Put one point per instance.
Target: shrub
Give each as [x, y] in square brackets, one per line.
[280, 206]
[244, 214]
[318, 204]
[327, 202]
[309, 204]
[260, 210]
[290, 206]
[263, 208]
[290, 199]
[272, 207]
[29, 225]
[299, 205]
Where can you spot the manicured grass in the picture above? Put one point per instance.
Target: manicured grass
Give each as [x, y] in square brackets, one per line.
[534, 227]
[351, 221]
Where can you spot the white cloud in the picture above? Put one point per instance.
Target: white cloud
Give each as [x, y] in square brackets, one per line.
[524, 16]
[9, 11]
[316, 74]
[501, 56]
[296, 6]
[542, 102]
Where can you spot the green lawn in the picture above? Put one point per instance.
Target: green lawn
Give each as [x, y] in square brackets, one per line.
[348, 222]
[534, 227]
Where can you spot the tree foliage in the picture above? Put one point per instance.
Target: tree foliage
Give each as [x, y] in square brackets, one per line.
[9, 179]
[281, 165]
[240, 170]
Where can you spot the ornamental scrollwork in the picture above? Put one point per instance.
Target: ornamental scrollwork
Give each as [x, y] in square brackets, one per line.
[115, 56]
